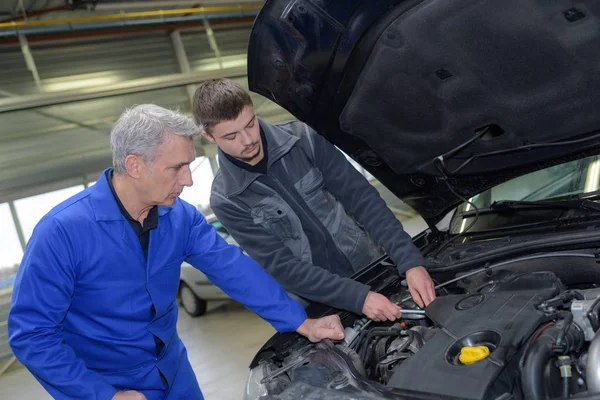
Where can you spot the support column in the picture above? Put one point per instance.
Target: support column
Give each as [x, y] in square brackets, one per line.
[184, 64]
[29, 61]
[212, 42]
[17, 223]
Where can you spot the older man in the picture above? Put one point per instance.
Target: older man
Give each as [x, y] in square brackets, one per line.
[93, 314]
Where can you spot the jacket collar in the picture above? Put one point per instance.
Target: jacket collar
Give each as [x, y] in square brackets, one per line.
[236, 179]
[104, 203]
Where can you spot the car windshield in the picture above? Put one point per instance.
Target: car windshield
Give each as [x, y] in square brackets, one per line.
[572, 178]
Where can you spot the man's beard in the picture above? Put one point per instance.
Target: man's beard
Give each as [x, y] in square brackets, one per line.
[249, 158]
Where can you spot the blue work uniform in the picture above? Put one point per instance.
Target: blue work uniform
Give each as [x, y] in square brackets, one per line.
[88, 308]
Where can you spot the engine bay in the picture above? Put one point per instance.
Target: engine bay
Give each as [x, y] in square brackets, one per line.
[498, 335]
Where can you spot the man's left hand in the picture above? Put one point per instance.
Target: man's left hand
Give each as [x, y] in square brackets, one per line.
[329, 327]
[420, 286]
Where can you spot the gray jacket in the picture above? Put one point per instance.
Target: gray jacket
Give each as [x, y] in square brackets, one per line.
[313, 220]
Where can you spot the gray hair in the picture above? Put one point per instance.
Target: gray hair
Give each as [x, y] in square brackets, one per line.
[140, 130]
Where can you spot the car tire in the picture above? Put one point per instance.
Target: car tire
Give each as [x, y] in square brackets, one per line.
[192, 304]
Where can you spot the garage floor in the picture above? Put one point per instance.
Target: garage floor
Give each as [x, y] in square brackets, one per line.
[220, 345]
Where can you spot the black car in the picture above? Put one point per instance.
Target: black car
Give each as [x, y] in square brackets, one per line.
[483, 116]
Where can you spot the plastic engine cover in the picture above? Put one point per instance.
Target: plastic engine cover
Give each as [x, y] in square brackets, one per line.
[503, 321]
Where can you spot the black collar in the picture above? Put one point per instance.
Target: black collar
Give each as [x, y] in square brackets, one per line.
[151, 220]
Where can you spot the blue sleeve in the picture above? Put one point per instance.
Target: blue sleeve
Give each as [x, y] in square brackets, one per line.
[240, 277]
[41, 299]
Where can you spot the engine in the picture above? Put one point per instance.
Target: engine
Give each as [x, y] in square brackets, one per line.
[521, 334]
[493, 336]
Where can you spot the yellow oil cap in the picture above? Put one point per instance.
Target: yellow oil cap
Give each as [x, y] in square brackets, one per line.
[472, 354]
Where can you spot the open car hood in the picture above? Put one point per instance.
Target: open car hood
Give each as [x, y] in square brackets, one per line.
[474, 92]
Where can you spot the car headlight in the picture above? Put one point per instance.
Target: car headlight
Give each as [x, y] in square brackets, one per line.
[255, 389]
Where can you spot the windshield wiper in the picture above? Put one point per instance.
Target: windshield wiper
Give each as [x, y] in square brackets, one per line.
[440, 161]
[499, 207]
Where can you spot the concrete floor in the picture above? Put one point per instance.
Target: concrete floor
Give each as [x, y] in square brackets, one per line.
[220, 345]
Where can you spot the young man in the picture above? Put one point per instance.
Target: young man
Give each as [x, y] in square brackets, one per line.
[93, 314]
[297, 206]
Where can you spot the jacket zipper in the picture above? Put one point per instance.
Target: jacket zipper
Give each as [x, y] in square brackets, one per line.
[314, 219]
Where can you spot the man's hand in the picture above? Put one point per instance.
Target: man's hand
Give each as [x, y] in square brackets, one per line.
[378, 308]
[420, 286]
[129, 395]
[329, 327]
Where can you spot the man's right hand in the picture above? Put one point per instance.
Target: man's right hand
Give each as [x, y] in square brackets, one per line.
[129, 395]
[379, 308]
[329, 327]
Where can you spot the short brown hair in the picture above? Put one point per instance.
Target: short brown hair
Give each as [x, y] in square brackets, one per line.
[218, 100]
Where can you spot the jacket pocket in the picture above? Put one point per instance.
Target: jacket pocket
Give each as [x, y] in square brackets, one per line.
[275, 216]
[127, 371]
[312, 190]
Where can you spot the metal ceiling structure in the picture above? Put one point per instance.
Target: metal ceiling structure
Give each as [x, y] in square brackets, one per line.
[69, 68]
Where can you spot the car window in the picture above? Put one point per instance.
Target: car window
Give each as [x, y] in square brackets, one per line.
[572, 178]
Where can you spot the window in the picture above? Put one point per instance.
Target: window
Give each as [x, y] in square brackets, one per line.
[569, 179]
[572, 178]
[199, 193]
[10, 246]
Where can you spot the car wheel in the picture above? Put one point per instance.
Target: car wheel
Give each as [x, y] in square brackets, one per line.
[191, 303]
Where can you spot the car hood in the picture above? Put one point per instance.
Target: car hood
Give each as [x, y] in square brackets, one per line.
[431, 94]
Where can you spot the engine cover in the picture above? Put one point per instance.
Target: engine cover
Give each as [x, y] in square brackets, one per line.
[503, 321]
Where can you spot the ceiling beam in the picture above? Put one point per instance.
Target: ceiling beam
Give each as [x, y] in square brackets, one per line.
[126, 5]
[118, 89]
[69, 33]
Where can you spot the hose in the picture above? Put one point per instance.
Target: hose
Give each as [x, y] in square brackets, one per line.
[568, 318]
[565, 387]
[528, 345]
[533, 369]
[592, 372]
[542, 347]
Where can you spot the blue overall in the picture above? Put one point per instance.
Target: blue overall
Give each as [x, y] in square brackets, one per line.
[88, 309]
